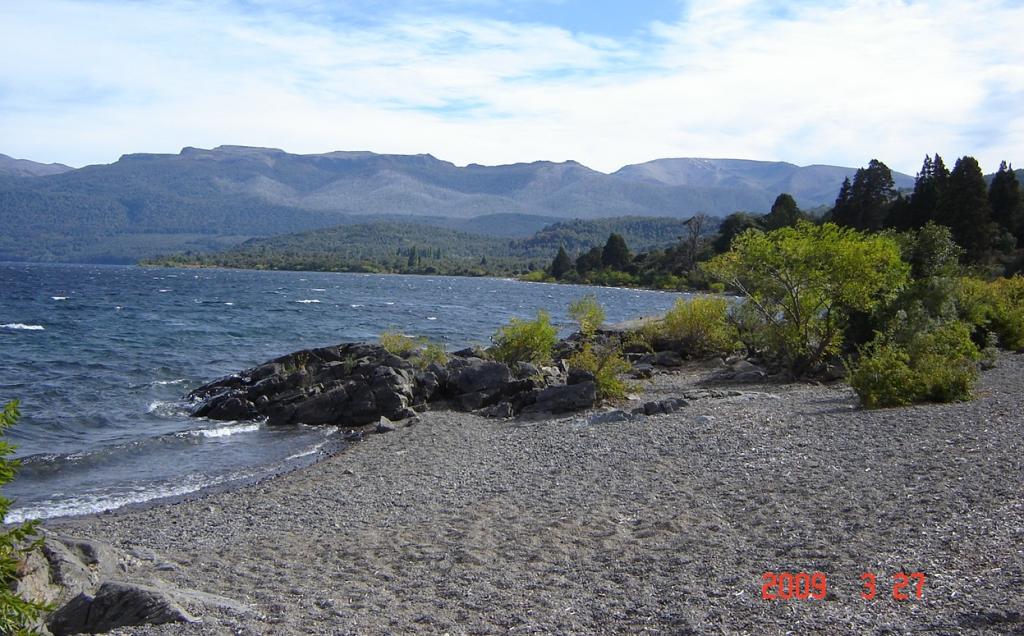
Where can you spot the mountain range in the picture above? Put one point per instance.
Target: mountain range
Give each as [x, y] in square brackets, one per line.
[148, 204]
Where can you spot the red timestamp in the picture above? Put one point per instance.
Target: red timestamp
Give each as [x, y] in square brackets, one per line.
[784, 586]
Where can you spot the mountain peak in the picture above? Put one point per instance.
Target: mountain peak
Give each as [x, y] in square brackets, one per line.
[24, 168]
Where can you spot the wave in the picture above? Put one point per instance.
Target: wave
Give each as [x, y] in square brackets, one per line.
[317, 289]
[96, 503]
[356, 306]
[22, 326]
[166, 382]
[58, 297]
[308, 302]
[223, 431]
[164, 408]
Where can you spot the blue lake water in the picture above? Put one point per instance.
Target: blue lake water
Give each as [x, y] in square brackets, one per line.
[101, 357]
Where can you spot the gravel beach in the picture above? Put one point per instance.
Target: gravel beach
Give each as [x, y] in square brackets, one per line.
[663, 524]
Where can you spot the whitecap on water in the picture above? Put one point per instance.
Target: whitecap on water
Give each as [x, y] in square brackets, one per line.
[22, 326]
[58, 297]
[309, 301]
[356, 306]
[317, 289]
[431, 317]
[224, 431]
[164, 408]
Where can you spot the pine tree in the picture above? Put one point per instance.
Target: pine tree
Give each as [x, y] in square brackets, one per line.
[562, 264]
[864, 204]
[1005, 199]
[615, 254]
[965, 210]
[413, 258]
[928, 189]
[589, 261]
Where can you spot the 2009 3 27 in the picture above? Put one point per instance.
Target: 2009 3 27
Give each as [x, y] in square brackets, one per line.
[784, 586]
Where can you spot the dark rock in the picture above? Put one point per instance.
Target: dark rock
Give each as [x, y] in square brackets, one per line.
[579, 375]
[524, 370]
[643, 371]
[653, 408]
[471, 401]
[563, 398]
[354, 436]
[668, 359]
[608, 417]
[471, 375]
[116, 605]
[500, 410]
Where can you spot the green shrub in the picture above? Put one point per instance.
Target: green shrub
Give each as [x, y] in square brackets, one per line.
[606, 364]
[806, 280]
[588, 314]
[699, 327]
[717, 288]
[400, 344]
[996, 307]
[935, 366]
[17, 616]
[431, 353]
[525, 340]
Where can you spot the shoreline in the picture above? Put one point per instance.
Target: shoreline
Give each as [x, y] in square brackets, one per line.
[663, 523]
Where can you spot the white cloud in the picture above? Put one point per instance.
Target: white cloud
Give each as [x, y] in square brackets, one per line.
[83, 82]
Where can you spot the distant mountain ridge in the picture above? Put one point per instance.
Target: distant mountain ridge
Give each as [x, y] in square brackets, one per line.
[241, 191]
[25, 168]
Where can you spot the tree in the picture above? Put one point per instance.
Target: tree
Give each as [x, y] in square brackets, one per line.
[804, 281]
[17, 616]
[562, 264]
[413, 258]
[694, 228]
[732, 226]
[1005, 200]
[615, 254]
[589, 261]
[929, 188]
[864, 204]
[784, 213]
[966, 211]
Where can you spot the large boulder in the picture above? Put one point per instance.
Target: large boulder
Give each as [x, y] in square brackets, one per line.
[116, 604]
[350, 384]
[563, 398]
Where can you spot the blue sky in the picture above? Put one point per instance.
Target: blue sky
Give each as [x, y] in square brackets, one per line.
[491, 81]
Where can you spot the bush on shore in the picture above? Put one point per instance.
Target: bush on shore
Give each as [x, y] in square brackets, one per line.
[17, 615]
[805, 281]
[939, 365]
[697, 327]
[419, 351]
[606, 364]
[525, 340]
[996, 308]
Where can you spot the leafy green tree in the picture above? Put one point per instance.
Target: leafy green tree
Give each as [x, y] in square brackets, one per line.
[784, 213]
[525, 340]
[17, 615]
[615, 254]
[966, 211]
[929, 188]
[1005, 199]
[805, 280]
[562, 264]
[413, 258]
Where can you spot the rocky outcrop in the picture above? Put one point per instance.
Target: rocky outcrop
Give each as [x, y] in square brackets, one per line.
[357, 384]
[116, 604]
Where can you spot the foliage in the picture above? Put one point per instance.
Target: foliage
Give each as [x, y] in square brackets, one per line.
[698, 327]
[615, 254]
[525, 340]
[784, 213]
[17, 616]
[417, 350]
[400, 344]
[606, 364]
[995, 307]
[734, 225]
[805, 280]
[863, 204]
[429, 354]
[965, 209]
[562, 265]
[1007, 204]
[939, 365]
[588, 314]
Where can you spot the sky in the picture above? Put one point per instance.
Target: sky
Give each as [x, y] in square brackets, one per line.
[500, 81]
